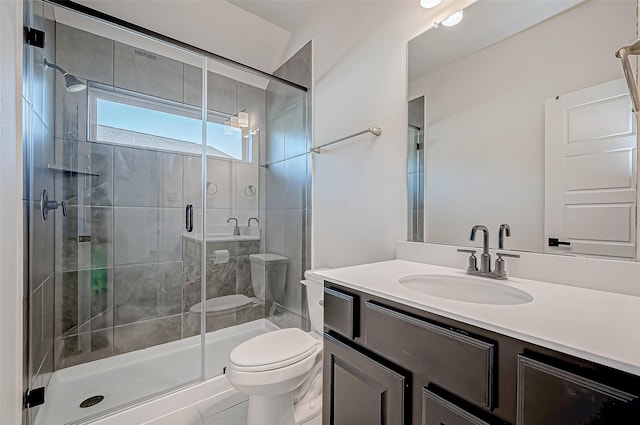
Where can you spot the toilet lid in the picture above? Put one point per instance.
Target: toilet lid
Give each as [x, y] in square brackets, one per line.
[273, 350]
[222, 304]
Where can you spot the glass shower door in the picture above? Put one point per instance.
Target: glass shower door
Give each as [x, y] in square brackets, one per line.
[116, 228]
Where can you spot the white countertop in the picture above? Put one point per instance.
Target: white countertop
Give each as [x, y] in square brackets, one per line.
[599, 326]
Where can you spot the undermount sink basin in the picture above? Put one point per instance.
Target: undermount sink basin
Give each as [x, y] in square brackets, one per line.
[467, 289]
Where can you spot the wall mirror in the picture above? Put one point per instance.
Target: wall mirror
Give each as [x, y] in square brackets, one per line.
[520, 115]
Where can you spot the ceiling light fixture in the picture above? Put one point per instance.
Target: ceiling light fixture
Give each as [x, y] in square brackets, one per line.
[428, 4]
[453, 19]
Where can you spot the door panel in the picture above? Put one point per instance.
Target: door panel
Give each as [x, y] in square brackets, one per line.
[590, 172]
[359, 389]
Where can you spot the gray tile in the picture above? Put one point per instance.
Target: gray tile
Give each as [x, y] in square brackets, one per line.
[84, 348]
[243, 276]
[41, 156]
[220, 184]
[46, 368]
[147, 235]
[171, 222]
[298, 67]
[306, 257]
[276, 100]
[275, 186]
[247, 176]
[170, 189]
[420, 191]
[70, 113]
[222, 94]
[147, 72]
[295, 170]
[137, 336]
[137, 176]
[295, 138]
[84, 54]
[253, 100]
[41, 245]
[48, 314]
[293, 233]
[274, 231]
[248, 247]
[192, 180]
[192, 85]
[147, 291]
[293, 289]
[93, 158]
[81, 296]
[275, 139]
[85, 239]
[48, 98]
[221, 278]
[35, 329]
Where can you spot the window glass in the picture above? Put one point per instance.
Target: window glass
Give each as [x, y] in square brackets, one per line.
[128, 119]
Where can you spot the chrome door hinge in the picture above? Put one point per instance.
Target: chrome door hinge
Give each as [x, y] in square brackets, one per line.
[34, 397]
[34, 37]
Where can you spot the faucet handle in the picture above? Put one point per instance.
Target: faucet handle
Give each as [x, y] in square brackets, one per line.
[504, 254]
[500, 271]
[472, 265]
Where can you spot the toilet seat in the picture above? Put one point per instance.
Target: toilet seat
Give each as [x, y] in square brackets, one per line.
[273, 350]
[222, 305]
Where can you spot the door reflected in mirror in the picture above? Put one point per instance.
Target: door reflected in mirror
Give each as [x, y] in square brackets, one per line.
[526, 120]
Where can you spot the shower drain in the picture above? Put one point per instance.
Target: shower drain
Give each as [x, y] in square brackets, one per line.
[91, 401]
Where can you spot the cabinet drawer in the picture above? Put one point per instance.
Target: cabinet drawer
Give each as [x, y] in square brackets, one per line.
[552, 396]
[459, 363]
[438, 411]
[341, 312]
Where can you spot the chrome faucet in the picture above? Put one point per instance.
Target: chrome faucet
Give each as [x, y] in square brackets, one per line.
[503, 231]
[236, 230]
[252, 218]
[485, 259]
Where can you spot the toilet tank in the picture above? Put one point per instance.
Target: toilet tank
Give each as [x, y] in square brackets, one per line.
[268, 275]
[315, 295]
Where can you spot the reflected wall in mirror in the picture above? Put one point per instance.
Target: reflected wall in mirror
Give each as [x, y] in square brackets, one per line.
[515, 87]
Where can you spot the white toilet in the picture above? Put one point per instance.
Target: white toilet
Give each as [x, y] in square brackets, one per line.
[281, 371]
[267, 271]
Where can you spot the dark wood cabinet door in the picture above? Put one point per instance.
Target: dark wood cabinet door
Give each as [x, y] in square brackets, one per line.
[548, 395]
[359, 390]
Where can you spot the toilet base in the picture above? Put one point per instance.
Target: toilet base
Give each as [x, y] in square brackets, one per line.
[271, 410]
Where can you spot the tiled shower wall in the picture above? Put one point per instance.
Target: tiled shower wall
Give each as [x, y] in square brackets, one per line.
[122, 280]
[288, 177]
[415, 170]
[38, 125]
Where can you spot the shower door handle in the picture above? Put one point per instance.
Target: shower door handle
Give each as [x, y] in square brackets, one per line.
[189, 218]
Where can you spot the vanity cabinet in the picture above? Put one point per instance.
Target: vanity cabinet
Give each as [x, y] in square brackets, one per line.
[389, 364]
[363, 391]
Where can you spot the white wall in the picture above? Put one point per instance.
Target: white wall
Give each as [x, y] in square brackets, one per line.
[360, 201]
[485, 121]
[11, 212]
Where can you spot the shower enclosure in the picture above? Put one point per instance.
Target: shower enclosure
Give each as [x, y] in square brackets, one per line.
[144, 211]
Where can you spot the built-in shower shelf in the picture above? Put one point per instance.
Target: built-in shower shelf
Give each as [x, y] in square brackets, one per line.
[71, 170]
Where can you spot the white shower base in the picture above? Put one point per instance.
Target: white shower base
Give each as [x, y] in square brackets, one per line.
[125, 379]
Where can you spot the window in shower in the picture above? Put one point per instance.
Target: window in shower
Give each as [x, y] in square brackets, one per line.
[127, 118]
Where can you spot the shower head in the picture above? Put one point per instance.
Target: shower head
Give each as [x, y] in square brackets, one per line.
[71, 82]
[623, 53]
